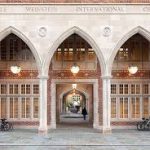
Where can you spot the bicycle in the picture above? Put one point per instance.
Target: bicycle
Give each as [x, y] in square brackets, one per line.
[143, 125]
[5, 125]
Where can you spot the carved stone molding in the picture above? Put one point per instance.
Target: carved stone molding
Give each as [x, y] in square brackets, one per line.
[42, 31]
[106, 31]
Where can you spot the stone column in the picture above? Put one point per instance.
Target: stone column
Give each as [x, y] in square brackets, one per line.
[96, 102]
[53, 105]
[43, 105]
[106, 104]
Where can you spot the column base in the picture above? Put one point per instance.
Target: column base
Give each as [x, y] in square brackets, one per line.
[107, 131]
[52, 126]
[42, 131]
[95, 126]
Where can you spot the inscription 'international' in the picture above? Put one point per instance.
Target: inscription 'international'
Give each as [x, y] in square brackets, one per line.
[113, 9]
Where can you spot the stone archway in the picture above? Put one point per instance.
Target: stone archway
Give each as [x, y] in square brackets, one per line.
[18, 33]
[69, 105]
[94, 82]
[45, 68]
[65, 35]
[132, 49]
[139, 30]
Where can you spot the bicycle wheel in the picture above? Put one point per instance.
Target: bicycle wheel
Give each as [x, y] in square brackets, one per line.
[6, 127]
[10, 126]
[138, 126]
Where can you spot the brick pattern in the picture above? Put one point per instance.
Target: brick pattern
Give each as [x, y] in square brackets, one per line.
[83, 74]
[74, 1]
[141, 74]
[124, 123]
[24, 74]
[25, 123]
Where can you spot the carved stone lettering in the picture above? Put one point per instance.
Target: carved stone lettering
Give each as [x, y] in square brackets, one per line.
[40, 9]
[111, 9]
[146, 9]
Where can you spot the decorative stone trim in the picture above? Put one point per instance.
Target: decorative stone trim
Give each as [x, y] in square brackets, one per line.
[106, 31]
[42, 31]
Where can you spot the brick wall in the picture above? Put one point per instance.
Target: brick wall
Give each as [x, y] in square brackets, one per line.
[25, 123]
[124, 74]
[83, 74]
[74, 1]
[124, 123]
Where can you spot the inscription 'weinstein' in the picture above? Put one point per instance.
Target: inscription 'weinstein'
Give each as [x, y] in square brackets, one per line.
[41, 9]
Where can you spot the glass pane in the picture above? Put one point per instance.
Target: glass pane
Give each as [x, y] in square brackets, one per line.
[126, 108]
[133, 107]
[11, 107]
[23, 107]
[23, 89]
[113, 89]
[3, 108]
[138, 89]
[58, 55]
[27, 107]
[121, 107]
[91, 55]
[125, 88]
[16, 89]
[11, 89]
[137, 107]
[35, 89]
[28, 89]
[35, 107]
[145, 88]
[113, 107]
[145, 107]
[121, 89]
[15, 107]
[132, 89]
[3, 89]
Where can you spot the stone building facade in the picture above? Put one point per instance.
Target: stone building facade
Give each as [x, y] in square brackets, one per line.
[116, 99]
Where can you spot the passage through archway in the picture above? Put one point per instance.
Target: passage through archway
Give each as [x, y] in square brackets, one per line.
[75, 50]
[69, 105]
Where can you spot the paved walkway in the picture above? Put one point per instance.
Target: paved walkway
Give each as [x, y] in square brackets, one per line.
[74, 138]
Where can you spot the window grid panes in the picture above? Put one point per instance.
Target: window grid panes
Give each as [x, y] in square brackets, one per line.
[123, 107]
[145, 104]
[113, 89]
[130, 101]
[35, 89]
[113, 108]
[145, 89]
[21, 101]
[135, 107]
[13, 48]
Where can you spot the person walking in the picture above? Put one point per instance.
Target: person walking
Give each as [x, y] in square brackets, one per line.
[84, 113]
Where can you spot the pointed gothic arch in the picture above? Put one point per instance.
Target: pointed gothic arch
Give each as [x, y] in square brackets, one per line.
[19, 34]
[64, 36]
[140, 30]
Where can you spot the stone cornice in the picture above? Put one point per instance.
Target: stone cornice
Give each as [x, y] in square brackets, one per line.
[74, 1]
[75, 9]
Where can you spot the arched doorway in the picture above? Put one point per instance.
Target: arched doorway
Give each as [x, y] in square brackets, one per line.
[75, 50]
[73, 102]
[71, 105]
[130, 90]
[19, 91]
